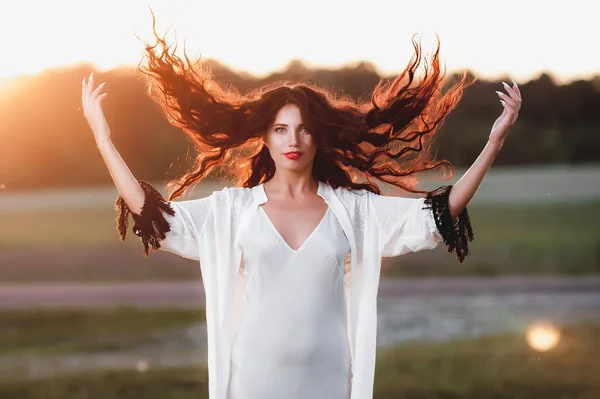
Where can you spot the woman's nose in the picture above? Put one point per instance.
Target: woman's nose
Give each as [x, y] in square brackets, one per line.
[293, 140]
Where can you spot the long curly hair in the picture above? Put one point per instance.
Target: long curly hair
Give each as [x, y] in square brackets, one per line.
[360, 145]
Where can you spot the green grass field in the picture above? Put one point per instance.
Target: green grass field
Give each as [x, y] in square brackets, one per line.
[82, 245]
[66, 229]
[551, 239]
[50, 332]
[495, 367]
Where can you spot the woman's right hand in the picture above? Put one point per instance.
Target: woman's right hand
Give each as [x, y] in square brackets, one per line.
[91, 100]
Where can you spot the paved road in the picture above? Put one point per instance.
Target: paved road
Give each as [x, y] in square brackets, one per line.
[191, 294]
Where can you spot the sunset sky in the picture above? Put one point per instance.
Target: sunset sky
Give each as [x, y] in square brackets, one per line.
[515, 38]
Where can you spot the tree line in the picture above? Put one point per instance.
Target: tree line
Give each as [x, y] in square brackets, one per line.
[45, 141]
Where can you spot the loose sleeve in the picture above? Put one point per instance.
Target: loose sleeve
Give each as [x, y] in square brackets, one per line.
[458, 233]
[415, 224]
[173, 226]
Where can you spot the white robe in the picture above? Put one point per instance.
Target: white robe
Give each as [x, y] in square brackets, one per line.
[376, 226]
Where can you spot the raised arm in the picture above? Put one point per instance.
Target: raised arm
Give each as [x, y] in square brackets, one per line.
[129, 188]
[463, 191]
[152, 214]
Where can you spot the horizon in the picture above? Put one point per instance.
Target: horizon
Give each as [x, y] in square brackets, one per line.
[491, 46]
[240, 72]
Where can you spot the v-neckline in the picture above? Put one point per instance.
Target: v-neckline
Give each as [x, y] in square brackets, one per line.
[283, 240]
[272, 225]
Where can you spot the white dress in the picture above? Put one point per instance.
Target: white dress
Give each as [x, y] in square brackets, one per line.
[292, 339]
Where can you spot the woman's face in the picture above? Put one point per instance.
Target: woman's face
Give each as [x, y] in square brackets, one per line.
[290, 144]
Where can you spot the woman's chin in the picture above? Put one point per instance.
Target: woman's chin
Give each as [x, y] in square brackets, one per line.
[293, 166]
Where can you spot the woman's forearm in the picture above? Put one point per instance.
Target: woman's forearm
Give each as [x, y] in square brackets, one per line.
[463, 191]
[127, 185]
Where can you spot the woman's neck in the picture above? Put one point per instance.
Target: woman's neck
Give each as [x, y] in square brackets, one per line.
[292, 184]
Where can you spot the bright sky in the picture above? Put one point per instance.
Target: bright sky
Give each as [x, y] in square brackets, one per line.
[518, 38]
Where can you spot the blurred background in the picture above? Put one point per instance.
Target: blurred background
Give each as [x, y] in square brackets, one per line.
[83, 315]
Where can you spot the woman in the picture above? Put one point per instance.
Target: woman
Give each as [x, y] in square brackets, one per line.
[285, 317]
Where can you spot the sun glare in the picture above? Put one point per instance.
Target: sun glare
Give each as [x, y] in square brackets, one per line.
[542, 336]
[264, 35]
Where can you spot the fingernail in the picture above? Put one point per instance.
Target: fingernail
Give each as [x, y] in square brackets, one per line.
[505, 84]
[503, 102]
[499, 93]
[515, 83]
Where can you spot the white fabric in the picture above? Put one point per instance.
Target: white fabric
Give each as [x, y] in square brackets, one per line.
[292, 342]
[375, 226]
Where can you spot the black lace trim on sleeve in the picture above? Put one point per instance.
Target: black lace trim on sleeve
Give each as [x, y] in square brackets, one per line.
[456, 234]
[150, 225]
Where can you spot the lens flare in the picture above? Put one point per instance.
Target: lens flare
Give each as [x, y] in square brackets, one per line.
[542, 337]
[142, 366]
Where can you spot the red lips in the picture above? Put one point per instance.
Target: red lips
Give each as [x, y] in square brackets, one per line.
[293, 155]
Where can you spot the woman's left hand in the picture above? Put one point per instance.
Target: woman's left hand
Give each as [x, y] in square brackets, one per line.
[512, 105]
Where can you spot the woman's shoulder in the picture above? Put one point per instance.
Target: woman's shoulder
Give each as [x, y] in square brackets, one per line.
[349, 192]
[349, 195]
[234, 190]
[221, 195]
[239, 198]
[235, 193]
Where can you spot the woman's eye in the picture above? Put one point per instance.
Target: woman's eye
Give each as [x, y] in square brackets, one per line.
[305, 130]
[279, 130]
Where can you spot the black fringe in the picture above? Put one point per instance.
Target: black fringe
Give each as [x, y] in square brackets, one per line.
[457, 234]
[150, 225]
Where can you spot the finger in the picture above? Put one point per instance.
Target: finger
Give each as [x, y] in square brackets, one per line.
[511, 92]
[509, 110]
[100, 98]
[97, 90]
[506, 98]
[90, 84]
[85, 94]
[83, 90]
[512, 110]
[516, 89]
[84, 85]
[505, 107]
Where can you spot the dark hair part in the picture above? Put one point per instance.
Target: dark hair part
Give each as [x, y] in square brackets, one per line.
[387, 139]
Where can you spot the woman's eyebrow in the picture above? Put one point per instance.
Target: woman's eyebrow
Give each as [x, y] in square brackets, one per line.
[286, 125]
